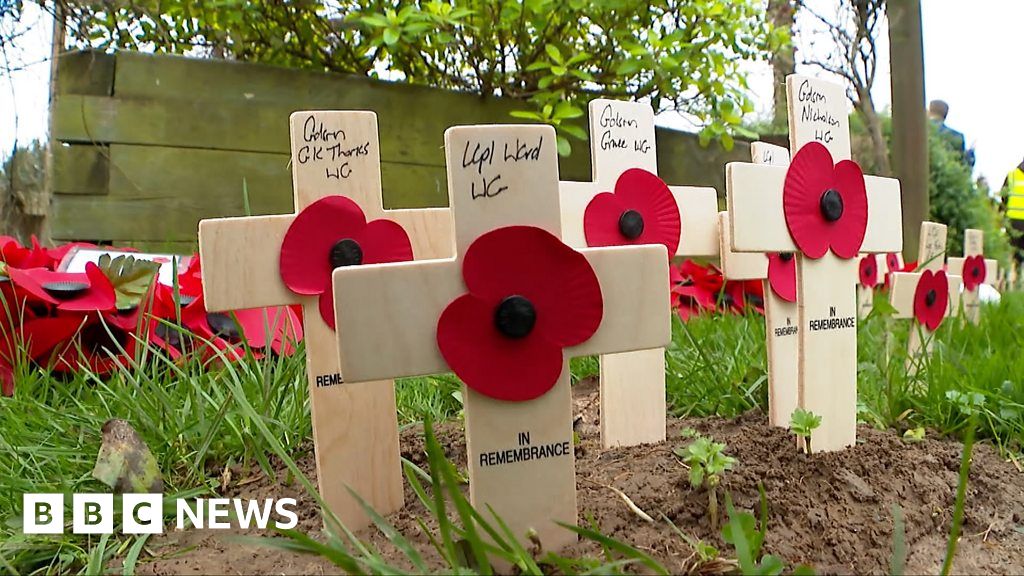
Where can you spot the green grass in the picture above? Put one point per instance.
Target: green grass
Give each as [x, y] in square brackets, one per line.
[196, 422]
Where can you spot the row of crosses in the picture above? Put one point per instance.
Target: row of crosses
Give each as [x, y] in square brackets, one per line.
[523, 272]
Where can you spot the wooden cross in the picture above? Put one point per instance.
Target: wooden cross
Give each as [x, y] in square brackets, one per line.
[780, 315]
[622, 137]
[826, 298]
[904, 288]
[501, 176]
[355, 428]
[983, 271]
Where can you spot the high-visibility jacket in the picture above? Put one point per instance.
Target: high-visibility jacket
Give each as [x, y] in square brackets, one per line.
[1015, 198]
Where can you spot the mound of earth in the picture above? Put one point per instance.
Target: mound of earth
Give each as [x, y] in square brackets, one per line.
[832, 511]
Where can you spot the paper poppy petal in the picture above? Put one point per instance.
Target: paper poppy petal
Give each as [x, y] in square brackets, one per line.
[847, 233]
[892, 261]
[931, 316]
[498, 367]
[974, 272]
[869, 271]
[30, 282]
[601, 220]
[326, 305]
[305, 252]
[782, 277]
[384, 241]
[100, 296]
[809, 175]
[648, 194]
[531, 262]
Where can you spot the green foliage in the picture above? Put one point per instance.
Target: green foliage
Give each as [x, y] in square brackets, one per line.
[554, 55]
[707, 461]
[956, 201]
[131, 278]
[747, 534]
[803, 423]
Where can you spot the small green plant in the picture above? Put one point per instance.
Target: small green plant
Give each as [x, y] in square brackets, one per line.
[707, 461]
[802, 423]
[747, 534]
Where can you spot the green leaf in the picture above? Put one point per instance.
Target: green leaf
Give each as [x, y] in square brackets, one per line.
[567, 110]
[628, 67]
[553, 53]
[124, 462]
[391, 36]
[130, 277]
[573, 130]
[564, 147]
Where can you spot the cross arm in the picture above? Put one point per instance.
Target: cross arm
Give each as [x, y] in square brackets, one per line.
[390, 311]
[698, 207]
[754, 200]
[635, 289]
[885, 216]
[739, 265]
[429, 229]
[904, 284]
[956, 266]
[240, 260]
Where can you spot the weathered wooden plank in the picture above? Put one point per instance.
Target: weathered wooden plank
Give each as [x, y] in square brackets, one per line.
[86, 72]
[159, 194]
[81, 169]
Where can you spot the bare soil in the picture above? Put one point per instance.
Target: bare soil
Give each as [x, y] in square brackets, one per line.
[832, 511]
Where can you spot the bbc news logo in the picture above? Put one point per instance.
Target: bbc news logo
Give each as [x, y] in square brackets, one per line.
[144, 513]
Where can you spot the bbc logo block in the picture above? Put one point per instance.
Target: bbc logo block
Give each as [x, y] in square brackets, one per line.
[92, 513]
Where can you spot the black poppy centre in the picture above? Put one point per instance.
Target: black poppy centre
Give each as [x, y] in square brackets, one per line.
[346, 252]
[65, 290]
[831, 205]
[929, 298]
[631, 224]
[786, 256]
[515, 317]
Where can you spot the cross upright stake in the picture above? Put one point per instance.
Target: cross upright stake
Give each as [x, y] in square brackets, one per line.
[975, 270]
[622, 138]
[825, 211]
[355, 428]
[909, 293]
[780, 309]
[503, 180]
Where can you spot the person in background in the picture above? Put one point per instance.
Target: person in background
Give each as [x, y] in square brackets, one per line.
[937, 112]
[1013, 203]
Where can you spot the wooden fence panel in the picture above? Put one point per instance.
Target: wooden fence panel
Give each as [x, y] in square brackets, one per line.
[152, 144]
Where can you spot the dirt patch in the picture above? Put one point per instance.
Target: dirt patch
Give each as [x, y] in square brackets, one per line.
[831, 511]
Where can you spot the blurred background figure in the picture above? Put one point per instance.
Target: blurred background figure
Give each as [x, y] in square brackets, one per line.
[937, 112]
[1013, 202]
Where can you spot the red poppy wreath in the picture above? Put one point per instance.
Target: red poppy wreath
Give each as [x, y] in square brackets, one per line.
[528, 297]
[869, 271]
[330, 233]
[825, 204]
[70, 292]
[931, 297]
[642, 210]
[974, 272]
[782, 275]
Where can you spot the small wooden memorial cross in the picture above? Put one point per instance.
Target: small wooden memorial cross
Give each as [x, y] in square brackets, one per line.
[927, 295]
[505, 315]
[825, 211]
[778, 273]
[975, 270]
[336, 177]
[627, 204]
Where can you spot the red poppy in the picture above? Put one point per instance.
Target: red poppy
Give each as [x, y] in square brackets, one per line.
[892, 261]
[974, 272]
[695, 288]
[738, 294]
[782, 275]
[529, 296]
[15, 255]
[931, 298]
[825, 204]
[642, 210]
[330, 233]
[70, 292]
[869, 271]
